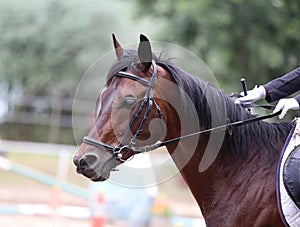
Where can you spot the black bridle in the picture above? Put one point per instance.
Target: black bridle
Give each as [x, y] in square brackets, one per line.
[149, 99]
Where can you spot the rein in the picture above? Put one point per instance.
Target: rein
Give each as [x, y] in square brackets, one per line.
[152, 147]
[204, 132]
[251, 105]
[149, 98]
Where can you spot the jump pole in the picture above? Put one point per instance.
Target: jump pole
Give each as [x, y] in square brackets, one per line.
[42, 177]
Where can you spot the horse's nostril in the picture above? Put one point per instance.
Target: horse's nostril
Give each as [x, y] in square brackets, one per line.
[86, 163]
[76, 160]
[89, 160]
[82, 162]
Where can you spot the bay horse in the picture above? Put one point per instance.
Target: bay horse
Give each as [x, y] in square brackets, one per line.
[236, 187]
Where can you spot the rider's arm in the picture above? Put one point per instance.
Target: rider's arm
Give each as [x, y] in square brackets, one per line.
[298, 98]
[283, 86]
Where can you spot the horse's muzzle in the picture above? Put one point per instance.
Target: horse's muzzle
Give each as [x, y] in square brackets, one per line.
[93, 168]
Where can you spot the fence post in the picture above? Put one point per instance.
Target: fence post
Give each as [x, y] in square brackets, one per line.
[54, 130]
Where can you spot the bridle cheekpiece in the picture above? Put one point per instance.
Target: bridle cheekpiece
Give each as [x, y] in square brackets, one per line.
[147, 99]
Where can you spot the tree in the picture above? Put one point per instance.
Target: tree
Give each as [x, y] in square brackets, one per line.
[45, 48]
[236, 38]
[42, 47]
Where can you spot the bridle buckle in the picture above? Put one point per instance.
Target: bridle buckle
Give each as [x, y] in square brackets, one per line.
[118, 154]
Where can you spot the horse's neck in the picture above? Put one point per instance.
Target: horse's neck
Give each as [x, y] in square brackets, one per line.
[188, 160]
[224, 173]
[221, 183]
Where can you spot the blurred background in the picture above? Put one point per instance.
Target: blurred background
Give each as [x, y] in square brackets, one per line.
[45, 48]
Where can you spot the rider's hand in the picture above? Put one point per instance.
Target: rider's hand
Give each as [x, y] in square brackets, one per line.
[285, 105]
[253, 95]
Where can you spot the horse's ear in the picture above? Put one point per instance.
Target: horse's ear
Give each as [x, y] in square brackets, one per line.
[145, 53]
[118, 48]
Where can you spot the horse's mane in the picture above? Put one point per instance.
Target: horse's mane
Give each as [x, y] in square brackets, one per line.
[208, 100]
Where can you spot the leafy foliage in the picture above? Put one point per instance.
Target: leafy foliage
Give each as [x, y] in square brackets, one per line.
[49, 44]
[235, 37]
[45, 48]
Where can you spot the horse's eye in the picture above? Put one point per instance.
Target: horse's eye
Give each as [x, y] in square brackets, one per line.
[128, 102]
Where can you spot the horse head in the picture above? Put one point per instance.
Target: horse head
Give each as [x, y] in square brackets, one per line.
[131, 116]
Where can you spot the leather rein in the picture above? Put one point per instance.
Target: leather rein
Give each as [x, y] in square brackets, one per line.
[149, 99]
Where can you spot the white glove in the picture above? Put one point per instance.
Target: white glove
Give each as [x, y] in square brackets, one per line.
[285, 105]
[253, 95]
